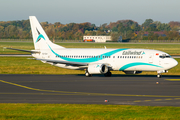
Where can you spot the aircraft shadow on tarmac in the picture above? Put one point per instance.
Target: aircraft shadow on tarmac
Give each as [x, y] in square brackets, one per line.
[122, 75]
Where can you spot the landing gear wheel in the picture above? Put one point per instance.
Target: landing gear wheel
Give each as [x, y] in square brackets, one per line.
[108, 74]
[87, 74]
[159, 75]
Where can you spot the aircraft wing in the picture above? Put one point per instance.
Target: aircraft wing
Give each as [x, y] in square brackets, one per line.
[64, 62]
[31, 51]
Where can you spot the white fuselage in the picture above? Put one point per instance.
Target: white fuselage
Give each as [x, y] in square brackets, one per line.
[98, 61]
[118, 59]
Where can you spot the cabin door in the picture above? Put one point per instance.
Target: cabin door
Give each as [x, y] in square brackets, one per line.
[151, 58]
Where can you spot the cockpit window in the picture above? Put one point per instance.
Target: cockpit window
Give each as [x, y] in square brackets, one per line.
[164, 56]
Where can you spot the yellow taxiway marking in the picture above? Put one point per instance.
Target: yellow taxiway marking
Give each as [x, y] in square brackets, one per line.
[157, 99]
[83, 93]
[34, 94]
[173, 79]
[168, 99]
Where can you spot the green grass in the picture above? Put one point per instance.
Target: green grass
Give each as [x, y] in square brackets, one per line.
[17, 65]
[22, 65]
[172, 49]
[19, 45]
[86, 112]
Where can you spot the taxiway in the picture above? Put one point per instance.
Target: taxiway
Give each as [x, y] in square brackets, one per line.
[78, 89]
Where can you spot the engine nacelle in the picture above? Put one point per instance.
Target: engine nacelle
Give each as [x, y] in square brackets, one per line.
[97, 69]
[132, 72]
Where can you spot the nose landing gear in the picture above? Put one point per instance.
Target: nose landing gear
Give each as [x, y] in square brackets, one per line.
[159, 75]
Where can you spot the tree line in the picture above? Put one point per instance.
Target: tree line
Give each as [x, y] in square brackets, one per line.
[128, 29]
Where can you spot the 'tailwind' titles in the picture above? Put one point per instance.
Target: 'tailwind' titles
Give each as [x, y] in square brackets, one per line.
[131, 53]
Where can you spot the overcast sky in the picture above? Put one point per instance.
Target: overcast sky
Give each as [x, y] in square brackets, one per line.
[93, 11]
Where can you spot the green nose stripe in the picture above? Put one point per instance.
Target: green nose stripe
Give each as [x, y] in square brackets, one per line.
[136, 64]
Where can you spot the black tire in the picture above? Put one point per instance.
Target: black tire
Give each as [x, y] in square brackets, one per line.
[87, 74]
[159, 75]
[108, 74]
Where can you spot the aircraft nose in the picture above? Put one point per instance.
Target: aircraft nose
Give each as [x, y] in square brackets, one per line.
[174, 62]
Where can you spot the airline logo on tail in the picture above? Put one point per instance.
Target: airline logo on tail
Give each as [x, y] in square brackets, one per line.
[40, 36]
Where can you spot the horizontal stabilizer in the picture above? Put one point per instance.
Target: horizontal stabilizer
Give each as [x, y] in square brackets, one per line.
[31, 51]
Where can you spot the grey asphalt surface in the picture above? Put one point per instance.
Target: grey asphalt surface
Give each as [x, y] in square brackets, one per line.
[78, 89]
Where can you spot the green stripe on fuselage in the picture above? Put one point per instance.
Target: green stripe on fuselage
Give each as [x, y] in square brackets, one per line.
[88, 60]
[136, 64]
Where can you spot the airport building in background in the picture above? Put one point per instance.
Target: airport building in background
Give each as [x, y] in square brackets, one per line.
[96, 38]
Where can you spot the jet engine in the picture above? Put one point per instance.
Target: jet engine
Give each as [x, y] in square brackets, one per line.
[132, 72]
[97, 69]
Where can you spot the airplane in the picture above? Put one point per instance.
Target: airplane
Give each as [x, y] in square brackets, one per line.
[97, 61]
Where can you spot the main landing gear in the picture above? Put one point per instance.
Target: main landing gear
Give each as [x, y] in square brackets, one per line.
[87, 74]
[108, 74]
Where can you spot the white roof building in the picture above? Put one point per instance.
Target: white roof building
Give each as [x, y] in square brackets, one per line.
[98, 38]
